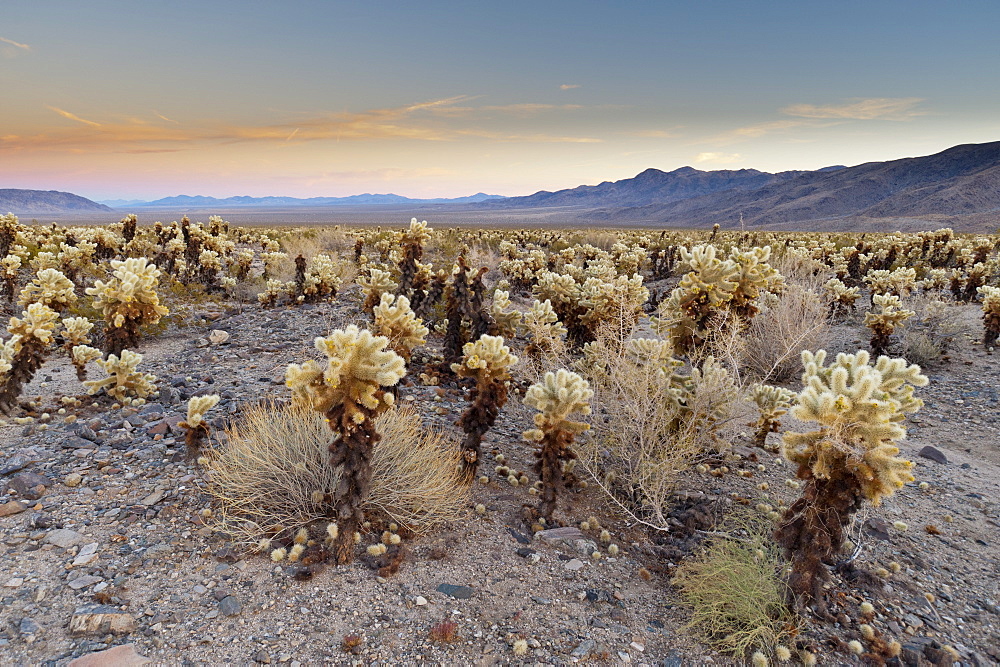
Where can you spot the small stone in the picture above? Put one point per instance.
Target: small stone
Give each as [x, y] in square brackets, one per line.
[100, 620]
[574, 564]
[119, 656]
[636, 646]
[64, 538]
[230, 606]
[262, 657]
[84, 581]
[12, 507]
[14, 582]
[29, 485]
[73, 479]
[153, 498]
[585, 649]
[457, 592]
[28, 626]
[567, 534]
[934, 454]
[218, 337]
[420, 601]
[86, 556]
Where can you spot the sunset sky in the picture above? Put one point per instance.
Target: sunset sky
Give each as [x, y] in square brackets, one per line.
[115, 99]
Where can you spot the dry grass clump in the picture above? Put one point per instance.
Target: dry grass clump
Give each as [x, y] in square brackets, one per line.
[930, 334]
[273, 475]
[737, 591]
[786, 325]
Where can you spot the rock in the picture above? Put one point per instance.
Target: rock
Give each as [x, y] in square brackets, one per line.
[934, 454]
[12, 507]
[153, 498]
[524, 552]
[84, 581]
[65, 538]
[28, 626]
[119, 656]
[598, 595]
[75, 442]
[567, 536]
[585, 649]
[420, 601]
[457, 592]
[230, 606]
[522, 539]
[262, 657]
[877, 528]
[158, 551]
[14, 582]
[672, 660]
[29, 485]
[218, 337]
[86, 556]
[73, 479]
[573, 564]
[100, 620]
[17, 461]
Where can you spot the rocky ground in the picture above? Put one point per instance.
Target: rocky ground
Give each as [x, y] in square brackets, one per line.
[105, 539]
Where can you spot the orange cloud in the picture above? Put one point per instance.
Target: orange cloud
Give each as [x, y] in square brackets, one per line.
[71, 116]
[18, 45]
[873, 108]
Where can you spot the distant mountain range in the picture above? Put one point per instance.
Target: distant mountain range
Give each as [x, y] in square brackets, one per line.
[958, 187]
[28, 202]
[198, 201]
[961, 181]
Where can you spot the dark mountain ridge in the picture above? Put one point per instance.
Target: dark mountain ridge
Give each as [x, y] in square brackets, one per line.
[367, 199]
[29, 202]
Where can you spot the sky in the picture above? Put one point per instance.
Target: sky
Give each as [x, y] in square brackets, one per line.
[114, 99]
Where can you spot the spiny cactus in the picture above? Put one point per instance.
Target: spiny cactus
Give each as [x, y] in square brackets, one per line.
[76, 332]
[395, 320]
[348, 391]
[124, 382]
[488, 362]
[773, 402]
[413, 240]
[25, 351]
[374, 285]
[81, 355]
[991, 314]
[558, 396]
[505, 322]
[883, 323]
[841, 297]
[50, 288]
[9, 266]
[851, 458]
[195, 427]
[128, 301]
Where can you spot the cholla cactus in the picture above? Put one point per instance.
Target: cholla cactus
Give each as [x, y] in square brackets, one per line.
[9, 266]
[25, 351]
[413, 241]
[348, 390]
[851, 458]
[841, 297]
[883, 323]
[124, 383]
[273, 291]
[773, 402]
[617, 301]
[753, 277]
[81, 355]
[195, 427]
[50, 288]
[76, 333]
[321, 279]
[395, 320]
[128, 301]
[558, 396]
[991, 314]
[376, 284]
[505, 322]
[544, 328]
[488, 361]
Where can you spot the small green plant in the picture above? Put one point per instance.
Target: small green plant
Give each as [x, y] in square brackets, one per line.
[737, 591]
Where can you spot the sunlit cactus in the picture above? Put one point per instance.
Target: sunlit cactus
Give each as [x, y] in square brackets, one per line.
[348, 389]
[840, 297]
[505, 322]
[991, 314]
[128, 301]
[883, 323]
[374, 285]
[557, 397]
[81, 355]
[753, 277]
[49, 288]
[772, 402]
[124, 382]
[9, 267]
[195, 427]
[488, 362]
[25, 351]
[852, 457]
[395, 320]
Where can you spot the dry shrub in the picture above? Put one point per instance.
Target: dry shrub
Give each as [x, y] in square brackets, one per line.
[642, 439]
[311, 242]
[270, 477]
[929, 335]
[737, 590]
[775, 338]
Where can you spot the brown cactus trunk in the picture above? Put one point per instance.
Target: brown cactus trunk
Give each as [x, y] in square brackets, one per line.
[487, 400]
[24, 365]
[351, 449]
[555, 448]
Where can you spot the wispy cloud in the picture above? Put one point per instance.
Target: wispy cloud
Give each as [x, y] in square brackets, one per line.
[448, 119]
[719, 158]
[72, 116]
[569, 86]
[872, 108]
[18, 45]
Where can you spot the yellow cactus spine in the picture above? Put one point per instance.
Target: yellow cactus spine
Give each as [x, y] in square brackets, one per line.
[128, 301]
[395, 320]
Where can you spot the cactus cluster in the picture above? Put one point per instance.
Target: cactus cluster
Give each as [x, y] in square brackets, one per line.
[124, 382]
[128, 302]
[395, 320]
[885, 321]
